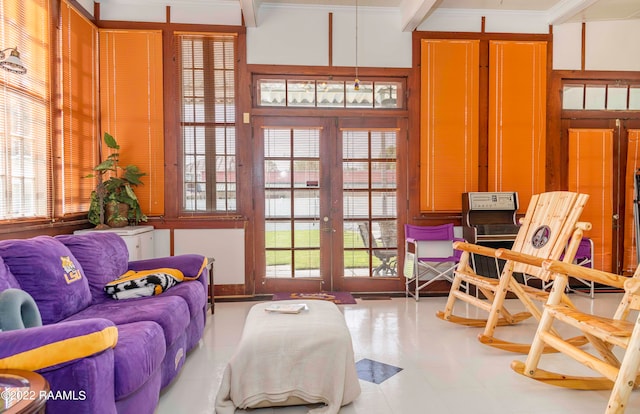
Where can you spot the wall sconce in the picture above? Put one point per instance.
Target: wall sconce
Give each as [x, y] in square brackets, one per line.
[12, 63]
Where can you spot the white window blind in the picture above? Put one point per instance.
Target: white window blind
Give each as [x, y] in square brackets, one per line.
[208, 121]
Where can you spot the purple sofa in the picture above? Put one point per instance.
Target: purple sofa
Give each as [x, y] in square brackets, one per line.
[99, 355]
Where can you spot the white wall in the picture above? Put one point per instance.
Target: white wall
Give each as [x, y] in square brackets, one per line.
[217, 12]
[299, 35]
[567, 46]
[226, 246]
[613, 45]
[609, 45]
[508, 21]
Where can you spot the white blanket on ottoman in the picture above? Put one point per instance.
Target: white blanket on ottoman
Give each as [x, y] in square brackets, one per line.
[284, 358]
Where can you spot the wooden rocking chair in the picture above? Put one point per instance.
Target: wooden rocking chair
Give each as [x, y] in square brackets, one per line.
[604, 334]
[545, 233]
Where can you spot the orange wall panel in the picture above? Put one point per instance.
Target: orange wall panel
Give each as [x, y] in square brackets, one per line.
[517, 117]
[591, 172]
[132, 108]
[449, 123]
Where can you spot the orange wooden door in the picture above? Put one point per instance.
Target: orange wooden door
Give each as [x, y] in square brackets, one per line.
[591, 171]
[449, 123]
[517, 117]
[630, 259]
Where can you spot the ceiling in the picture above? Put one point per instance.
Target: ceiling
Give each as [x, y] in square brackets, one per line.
[415, 11]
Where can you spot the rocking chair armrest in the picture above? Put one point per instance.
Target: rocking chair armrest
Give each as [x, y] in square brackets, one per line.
[474, 248]
[520, 257]
[632, 286]
[586, 273]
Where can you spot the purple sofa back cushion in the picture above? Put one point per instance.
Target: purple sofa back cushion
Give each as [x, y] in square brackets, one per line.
[47, 270]
[7, 280]
[103, 256]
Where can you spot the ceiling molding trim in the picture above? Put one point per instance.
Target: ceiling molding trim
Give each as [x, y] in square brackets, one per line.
[567, 9]
[248, 8]
[414, 12]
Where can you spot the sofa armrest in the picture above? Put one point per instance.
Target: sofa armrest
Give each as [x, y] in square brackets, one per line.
[192, 266]
[46, 346]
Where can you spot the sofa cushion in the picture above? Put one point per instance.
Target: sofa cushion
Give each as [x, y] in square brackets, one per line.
[7, 280]
[49, 272]
[170, 312]
[193, 293]
[103, 257]
[138, 354]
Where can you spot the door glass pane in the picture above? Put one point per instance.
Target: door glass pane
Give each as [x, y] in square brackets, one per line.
[278, 263]
[277, 173]
[277, 143]
[306, 203]
[277, 234]
[355, 174]
[307, 263]
[277, 203]
[306, 174]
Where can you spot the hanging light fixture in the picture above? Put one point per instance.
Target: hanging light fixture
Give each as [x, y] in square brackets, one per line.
[356, 82]
[12, 63]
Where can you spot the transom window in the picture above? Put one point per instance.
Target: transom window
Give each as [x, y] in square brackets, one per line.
[601, 97]
[330, 93]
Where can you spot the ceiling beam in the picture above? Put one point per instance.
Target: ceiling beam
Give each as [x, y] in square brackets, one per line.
[414, 11]
[568, 9]
[248, 13]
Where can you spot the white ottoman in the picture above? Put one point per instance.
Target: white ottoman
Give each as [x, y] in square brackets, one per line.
[290, 359]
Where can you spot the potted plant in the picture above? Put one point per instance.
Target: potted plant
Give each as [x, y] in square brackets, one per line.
[113, 202]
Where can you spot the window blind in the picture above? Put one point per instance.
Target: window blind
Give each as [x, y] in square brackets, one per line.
[25, 144]
[77, 145]
[208, 121]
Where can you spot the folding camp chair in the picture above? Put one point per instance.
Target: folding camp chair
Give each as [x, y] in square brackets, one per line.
[429, 255]
[584, 257]
[604, 334]
[545, 232]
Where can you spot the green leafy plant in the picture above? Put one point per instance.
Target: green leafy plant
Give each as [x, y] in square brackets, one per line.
[115, 187]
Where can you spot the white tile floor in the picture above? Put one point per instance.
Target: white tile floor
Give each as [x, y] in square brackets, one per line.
[445, 369]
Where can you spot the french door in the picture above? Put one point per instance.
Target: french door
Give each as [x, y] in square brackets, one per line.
[326, 192]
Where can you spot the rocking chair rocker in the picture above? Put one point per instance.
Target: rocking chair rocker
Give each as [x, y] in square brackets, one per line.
[604, 334]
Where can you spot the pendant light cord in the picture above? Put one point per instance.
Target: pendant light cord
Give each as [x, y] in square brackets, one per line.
[357, 81]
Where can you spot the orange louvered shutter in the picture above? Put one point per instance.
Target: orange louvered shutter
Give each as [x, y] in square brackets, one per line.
[517, 117]
[132, 107]
[449, 123]
[591, 172]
